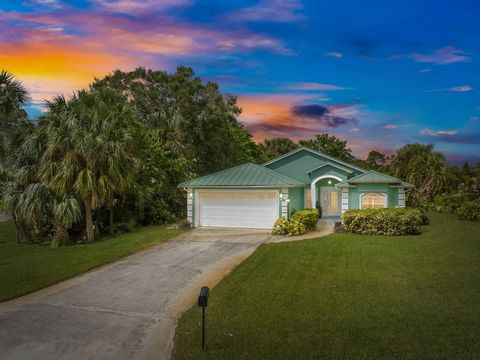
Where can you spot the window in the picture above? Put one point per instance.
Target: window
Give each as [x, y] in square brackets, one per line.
[373, 200]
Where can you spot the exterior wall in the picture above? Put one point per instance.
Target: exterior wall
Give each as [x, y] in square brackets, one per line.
[354, 194]
[296, 196]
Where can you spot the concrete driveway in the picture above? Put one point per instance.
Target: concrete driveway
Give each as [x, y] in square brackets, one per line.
[126, 310]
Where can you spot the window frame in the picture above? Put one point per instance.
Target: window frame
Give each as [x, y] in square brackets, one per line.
[383, 193]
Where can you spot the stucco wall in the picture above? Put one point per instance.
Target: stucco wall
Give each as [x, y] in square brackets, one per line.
[296, 196]
[354, 194]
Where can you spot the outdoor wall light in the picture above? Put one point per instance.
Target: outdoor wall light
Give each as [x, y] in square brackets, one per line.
[190, 195]
[329, 182]
[288, 200]
[281, 196]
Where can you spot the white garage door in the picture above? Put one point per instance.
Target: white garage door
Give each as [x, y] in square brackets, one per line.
[236, 208]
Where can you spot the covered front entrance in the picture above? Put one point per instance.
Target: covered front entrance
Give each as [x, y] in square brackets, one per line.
[331, 201]
[324, 193]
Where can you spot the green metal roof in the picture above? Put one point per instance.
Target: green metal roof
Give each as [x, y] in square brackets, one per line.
[246, 175]
[374, 177]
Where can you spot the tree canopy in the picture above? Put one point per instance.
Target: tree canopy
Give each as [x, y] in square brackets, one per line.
[111, 156]
[330, 145]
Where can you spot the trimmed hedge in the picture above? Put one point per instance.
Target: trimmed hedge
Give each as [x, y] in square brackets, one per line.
[307, 217]
[389, 221]
[288, 227]
[469, 210]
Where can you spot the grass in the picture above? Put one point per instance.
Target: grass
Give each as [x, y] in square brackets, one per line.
[348, 296]
[26, 268]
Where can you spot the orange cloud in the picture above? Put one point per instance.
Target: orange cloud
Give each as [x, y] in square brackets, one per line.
[272, 115]
[51, 69]
[59, 52]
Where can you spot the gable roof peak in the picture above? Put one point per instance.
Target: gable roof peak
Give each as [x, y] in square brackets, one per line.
[316, 152]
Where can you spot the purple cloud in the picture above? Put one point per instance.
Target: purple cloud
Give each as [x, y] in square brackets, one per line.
[459, 88]
[442, 56]
[321, 115]
[270, 10]
[314, 86]
[334, 54]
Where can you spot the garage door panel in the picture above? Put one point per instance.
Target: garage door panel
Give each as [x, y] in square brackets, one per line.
[252, 209]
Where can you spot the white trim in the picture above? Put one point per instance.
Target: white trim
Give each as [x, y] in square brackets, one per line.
[344, 199]
[381, 192]
[313, 190]
[190, 204]
[401, 198]
[284, 204]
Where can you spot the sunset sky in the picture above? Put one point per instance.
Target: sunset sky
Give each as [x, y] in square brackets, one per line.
[377, 73]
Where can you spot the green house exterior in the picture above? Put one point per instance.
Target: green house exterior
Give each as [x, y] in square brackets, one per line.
[254, 196]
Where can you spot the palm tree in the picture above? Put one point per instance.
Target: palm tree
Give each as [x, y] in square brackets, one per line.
[90, 149]
[23, 195]
[66, 212]
[422, 166]
[12, 98]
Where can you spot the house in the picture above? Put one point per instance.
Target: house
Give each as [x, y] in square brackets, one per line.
[255, 196]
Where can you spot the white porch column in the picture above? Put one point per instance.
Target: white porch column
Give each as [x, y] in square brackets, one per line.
[344, 199]
[401, 197]
[313, 194]
[190, 205]
[284, 203]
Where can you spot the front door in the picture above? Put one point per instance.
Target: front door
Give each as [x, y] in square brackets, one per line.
[331, 201]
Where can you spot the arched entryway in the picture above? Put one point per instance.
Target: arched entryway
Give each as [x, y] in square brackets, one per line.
[330, 197]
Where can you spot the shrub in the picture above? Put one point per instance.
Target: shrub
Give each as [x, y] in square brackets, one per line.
[399, 221]
[469, 210]
[308, 217]
[288, 227]
[280, 227]
[296, 227]
[448, 203]
[185, 224]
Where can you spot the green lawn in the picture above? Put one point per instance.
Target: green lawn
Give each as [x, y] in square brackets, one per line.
[25, 268]
[348, 297]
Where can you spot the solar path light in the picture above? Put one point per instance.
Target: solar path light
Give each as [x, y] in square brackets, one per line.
[202, 302]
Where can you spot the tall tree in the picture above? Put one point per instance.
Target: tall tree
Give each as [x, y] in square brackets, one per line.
[376, 159]
[207, 133]
[13, 97]
[330, 145]
[90, 151]
[425, 168]
[277, 146]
